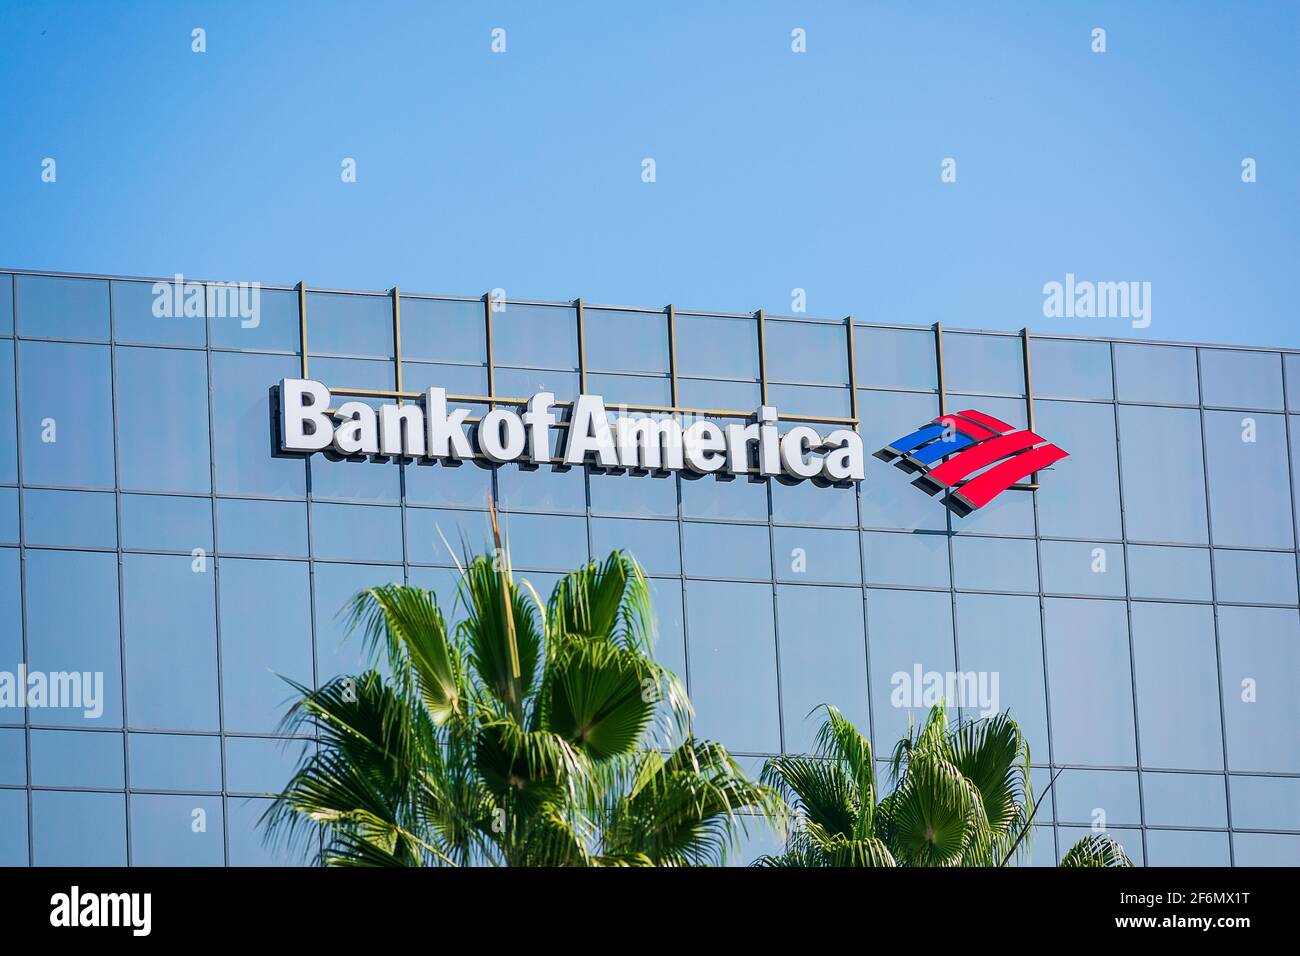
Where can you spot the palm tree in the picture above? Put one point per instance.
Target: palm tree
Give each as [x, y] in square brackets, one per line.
[962, 797]
[526, 734]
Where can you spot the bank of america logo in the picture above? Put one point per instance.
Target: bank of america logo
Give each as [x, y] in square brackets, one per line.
[947, 452]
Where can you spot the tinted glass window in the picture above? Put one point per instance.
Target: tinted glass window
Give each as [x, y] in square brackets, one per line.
[345, 324]
[633, 494]
[1091, 690]
[243, 426]
[174, 761]
[1265, 803]
[654, 544]
[992, 564]
[443, 331]
[1241, 379]
[1156, 373]
[1178, 707]
[78, 829]
[541, 489]
[162, 415]
[337, 650]
[887, 498]
[909, 635]
[983, 363]
[164, 830]
[6, 304]
[1073, 567]
[1250, 481]
[158, 312]
[823, 659]
[356, 532]
[273, 327]
[277, 528]
[67, 402]
[1078, 496]
[535, 336]
[1260, 653]
[166, 523]
[1155, 572]
[626, 341]
[70, 518]
[1107, 797]
[714, 345]
[711, 498]
[816, 556]
[913, 559]
[732, 644]
[1064, 369]
[806, 352]
[77, 758]
[808, 503]
[1157, 442]
[1255, 577]
[727, 550]
[895, 358]
[548, 542]
[8, 417]
[57, 308]
[1187, 848]
[1184, 799]
[163, 597]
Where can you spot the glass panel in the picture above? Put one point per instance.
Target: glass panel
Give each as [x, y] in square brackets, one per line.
[537, 336]
[823, 660]
[738, 498]
[1000, 644]
[546, 541]
[1170, 573]
[1255, 577]
[1011, 512]
[709, 345]
[1158, 442]
[732, 643]
[339, 373]
[339, 652]
[165, 523]
[265, 637]
[56, 308]
[443, 331]
[274, 328]
[162, 414]
[77, 758]
[524, 383]
[806, 352]
[6, 304]
[174, 761]
[1129, 839]
[11, 611]
[809, 503]
[983, 363]
[430, 531]
[541, 489]
[894, 358]
[356, 532]
[909, 635]
[994, 564]
[1265, 803]
[1187, 848]
[456, 379]
[163, 831]
[78, 829]
[355, 480]
[79, 635]
[726, 550]
[70, 518]
[1266, 849]
[1091, 568]
[13, 752]
[1013, 411]
[277, 528]
[810, 400]
[243, 430]
[1064, 369]
[1241, 379]
[633, 494]
[1090, 684]
[67, 402]
[1250, 480]
[468, 484]
[887, 498]
[1260, 653]
[8, 418]
[654, 544]
[147, 312]
[1178, 706]
[624, 390]
[915, 559]
[1078, 496]
[1098, 797]
[626, 341]
[9, 515]
[1156, 373]
[13, 827]
[261, 765]
[245, 836]
[346, 324]
[722, 396]
[1184, 799]
[816, 556]
[162, 597]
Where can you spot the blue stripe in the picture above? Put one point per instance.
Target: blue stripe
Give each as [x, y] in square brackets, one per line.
[917, 438]
[932, 453]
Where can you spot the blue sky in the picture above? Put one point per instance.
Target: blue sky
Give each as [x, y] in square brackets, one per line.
[775, 170]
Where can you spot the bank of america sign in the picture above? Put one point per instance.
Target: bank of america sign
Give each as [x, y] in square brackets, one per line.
[429, 431]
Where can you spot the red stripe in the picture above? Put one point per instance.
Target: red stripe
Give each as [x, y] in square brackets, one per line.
[981, 490]
[976, 457]
[986, 420]
[978, 432]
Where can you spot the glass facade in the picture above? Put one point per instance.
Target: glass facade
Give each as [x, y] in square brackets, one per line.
[1137, 607]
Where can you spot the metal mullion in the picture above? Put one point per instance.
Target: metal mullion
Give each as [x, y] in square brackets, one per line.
[582, 347]
[302, 324]
[487, 338]
[121, 570]
[762, 356]
[22, 577]
[672, 354]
